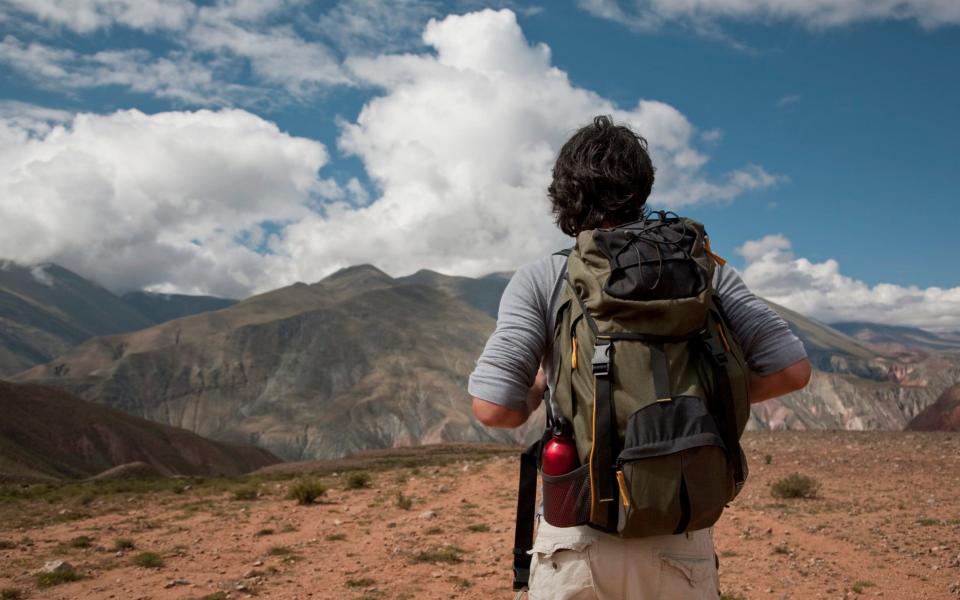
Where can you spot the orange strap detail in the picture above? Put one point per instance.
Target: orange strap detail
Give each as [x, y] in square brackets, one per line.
[716, 258]
[623, 489]
[573, 355]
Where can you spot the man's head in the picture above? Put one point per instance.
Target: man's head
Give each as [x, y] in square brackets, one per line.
[602, 177]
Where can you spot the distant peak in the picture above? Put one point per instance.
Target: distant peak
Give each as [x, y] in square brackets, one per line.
[364, 270]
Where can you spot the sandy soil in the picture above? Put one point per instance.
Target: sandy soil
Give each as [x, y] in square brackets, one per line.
[885, 523]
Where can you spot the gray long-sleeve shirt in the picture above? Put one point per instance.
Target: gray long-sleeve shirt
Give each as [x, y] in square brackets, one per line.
[523, 339]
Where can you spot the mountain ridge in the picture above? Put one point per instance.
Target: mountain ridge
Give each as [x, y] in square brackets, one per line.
[48, 433]
[47, 309]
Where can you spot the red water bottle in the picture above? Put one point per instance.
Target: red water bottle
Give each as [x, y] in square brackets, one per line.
[560, 451]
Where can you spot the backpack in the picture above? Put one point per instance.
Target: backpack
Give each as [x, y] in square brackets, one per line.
[653, 382]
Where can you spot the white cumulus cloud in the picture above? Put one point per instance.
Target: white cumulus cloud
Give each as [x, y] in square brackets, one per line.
[461, 143]
[170, 201]
[820, 290]
[458, 143]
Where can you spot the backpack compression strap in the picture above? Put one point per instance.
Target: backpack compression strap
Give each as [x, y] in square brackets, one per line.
[604, 511]
[526, 512]
[731, 439]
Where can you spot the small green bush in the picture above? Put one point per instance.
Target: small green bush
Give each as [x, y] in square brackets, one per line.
[767, 459]
[336, 537]
[357, 480]
[445, 554]
[404, 502]
[795, 486]
[148, 560]
[264, 531]
[460, 583]
[81, 541]
[11, 594]
[45, 580]
[279, 551]
[7, 544]
[478, 528]
[306, 491]
[124, 544]
[360, 583]
[246, 493]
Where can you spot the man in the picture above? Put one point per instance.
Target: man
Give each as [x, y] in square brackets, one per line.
[602, 178]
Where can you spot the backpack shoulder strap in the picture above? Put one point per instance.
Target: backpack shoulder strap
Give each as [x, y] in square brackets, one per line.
[564, 252]
[526, 513]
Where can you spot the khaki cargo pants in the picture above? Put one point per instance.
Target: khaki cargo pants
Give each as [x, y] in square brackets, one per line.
[578, 563]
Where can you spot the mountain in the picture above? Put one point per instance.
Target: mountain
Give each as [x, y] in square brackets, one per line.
[46, 309]
[47, 433]
[361, 360]
[942, 415]
[356, 361]
[898, 339]
[483, 293]
[166, 307]
[832, 350]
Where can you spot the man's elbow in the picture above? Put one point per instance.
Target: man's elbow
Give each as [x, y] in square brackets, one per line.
[495, 415]
[798, 375]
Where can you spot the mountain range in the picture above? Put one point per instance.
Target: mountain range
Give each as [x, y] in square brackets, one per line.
[46, 309]
[362, 360]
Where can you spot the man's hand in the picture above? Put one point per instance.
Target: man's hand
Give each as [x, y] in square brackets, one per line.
[494, 415]
[791, 379]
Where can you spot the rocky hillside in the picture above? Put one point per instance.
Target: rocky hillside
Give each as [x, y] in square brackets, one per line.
[46, 309]
[942, 415]
[857, 385]
[356, 361]
[46, 433]
[483, 293]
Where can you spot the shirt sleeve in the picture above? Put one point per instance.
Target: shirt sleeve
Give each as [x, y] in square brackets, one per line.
[765, 337]
[508, 365]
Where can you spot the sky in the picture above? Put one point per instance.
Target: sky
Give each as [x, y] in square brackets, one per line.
[231, 147]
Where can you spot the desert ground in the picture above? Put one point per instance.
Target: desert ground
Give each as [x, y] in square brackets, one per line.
[884, 522]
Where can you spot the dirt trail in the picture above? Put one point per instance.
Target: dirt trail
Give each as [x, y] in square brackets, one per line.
[886, 523]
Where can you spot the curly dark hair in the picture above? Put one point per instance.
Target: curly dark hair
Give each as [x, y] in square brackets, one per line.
[603, 176]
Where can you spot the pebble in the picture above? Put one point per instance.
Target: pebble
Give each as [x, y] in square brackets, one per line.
[427, 515]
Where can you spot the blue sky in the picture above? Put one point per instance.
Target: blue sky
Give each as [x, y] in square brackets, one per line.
[232, 147]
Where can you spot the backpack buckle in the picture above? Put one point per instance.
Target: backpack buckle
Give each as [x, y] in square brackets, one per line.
[715, 348]
[601, 359]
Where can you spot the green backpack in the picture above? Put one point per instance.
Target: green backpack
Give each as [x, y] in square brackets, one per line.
[653, 382]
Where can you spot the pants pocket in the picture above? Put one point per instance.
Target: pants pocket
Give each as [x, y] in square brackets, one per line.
[687, 577]
[561, 571]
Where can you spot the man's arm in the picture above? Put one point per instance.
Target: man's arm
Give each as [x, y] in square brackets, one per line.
[506, 385]
[791, 379]
[496, 415]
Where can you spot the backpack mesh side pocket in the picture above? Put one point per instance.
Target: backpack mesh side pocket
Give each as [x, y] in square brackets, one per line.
[566, 498]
